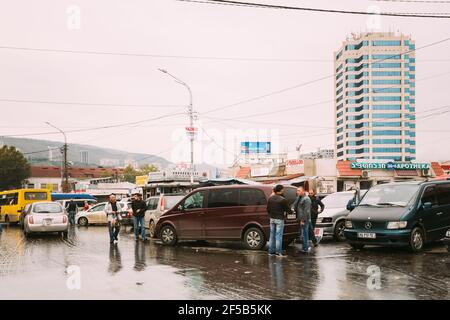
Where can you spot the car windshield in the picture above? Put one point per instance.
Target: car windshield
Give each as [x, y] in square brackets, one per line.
[390, 195]
[170, 202]
[337, 200]
[47, 208]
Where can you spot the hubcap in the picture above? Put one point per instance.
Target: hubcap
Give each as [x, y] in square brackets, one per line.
[253, 239]
[167, 235]
[341, 229]
[417, 240]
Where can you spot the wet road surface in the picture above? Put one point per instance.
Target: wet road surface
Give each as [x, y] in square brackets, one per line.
[41, 268]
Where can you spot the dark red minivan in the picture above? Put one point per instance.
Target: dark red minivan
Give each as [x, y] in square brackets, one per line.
[237, 212]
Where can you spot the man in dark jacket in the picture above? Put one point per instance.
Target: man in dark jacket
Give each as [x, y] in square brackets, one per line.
[315, 204]
[139, 207]
[278, 208]
[72, 210]
[302, 208]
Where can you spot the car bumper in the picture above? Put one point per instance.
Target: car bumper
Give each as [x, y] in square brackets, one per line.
[126, 221]
[384, 237]
[328, 228]
[50, 228]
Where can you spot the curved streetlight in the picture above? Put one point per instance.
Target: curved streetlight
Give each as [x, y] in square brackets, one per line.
[65, 175]
[191, 117]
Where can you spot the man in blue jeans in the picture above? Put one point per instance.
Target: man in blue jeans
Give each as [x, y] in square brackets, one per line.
[302, 208]
[278, 208]
[139, 207]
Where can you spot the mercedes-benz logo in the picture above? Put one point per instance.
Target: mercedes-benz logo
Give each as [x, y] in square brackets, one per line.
[368, 225]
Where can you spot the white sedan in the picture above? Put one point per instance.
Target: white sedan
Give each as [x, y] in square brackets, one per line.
[95, 215]
[45, 217]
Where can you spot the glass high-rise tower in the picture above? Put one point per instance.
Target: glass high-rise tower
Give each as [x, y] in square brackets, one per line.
[375, 98]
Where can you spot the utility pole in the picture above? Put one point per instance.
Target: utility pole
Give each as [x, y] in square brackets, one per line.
[65, 175]
[191, 115]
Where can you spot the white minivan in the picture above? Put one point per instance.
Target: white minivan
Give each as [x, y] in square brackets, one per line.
[156, 206]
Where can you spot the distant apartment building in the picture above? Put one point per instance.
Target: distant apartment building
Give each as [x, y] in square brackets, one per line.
[84, 157]
[375, 98]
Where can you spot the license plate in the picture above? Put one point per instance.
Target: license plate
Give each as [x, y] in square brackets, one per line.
[124, 215]
[47, 222]
[291, 216]
[365, 235]
[318, 232]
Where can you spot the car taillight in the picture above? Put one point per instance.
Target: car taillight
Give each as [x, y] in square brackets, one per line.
[64, 219]
[30, 220]
[162, 204]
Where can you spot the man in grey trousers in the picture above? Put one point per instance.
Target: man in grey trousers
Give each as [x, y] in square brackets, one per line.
[302, 208]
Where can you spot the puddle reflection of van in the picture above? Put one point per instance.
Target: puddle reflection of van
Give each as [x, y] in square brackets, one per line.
[235, 213]
[401, 214]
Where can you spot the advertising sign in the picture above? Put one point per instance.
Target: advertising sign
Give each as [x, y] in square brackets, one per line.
[248, 147]
[390, 166]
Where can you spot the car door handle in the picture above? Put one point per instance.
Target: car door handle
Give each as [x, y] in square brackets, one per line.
[439, 213]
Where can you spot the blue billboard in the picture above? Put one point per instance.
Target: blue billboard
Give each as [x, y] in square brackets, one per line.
[248, 147]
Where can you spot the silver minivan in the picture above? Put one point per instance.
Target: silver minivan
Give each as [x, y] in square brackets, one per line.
[156, 206]
[332, 219]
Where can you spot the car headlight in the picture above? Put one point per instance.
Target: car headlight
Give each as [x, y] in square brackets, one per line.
[397, 225]
[448, 234]
[348, 224]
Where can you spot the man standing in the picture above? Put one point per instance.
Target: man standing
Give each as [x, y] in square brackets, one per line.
[315, 204]
[112, 212]
[277, 207]
[72, 210]
[302, 207]
[139, 207]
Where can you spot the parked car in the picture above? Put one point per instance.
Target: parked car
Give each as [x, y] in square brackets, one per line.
[235, 212]
[97, 214]
[401, 214]
[45, 217]
[447, 240]
[127, 213]
[332, 219]
[156, 206]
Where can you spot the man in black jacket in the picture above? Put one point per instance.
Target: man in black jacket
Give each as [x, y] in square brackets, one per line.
[139, 207]
[72, 210]
[315, 204]
[278, 208]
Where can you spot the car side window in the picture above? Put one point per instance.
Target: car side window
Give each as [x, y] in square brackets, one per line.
[252, 197]
[443, 194]
[153, 204]
[98, 208]
[195, 201]
[429, 195]
[223, 198]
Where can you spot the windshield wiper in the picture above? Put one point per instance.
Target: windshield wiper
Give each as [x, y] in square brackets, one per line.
[392, 204]
[369, 205]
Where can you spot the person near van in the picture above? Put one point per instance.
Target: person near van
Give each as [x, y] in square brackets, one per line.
[277, 207]
[112, 209]
[86, 206]
[315, 204]
[302, 208]
[139, 207]
[72, 210]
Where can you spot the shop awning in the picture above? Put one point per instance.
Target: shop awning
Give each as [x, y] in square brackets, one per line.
[406, 173]
[345, 170]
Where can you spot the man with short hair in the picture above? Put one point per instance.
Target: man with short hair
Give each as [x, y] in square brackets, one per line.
[139, 207]
[315, 204]
[278, 208]
[112, 210]
[72, 210]
[302, 207]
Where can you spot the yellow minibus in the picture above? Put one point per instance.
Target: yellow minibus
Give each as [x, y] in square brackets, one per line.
[12, 202]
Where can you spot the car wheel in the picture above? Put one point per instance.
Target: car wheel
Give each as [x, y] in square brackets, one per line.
[254, 239]
[151, 228]
[448, 248]
[6, 219]
[357, 246]
[64, 234]
[26, 233]
[168, 235]
[339, 231]
[83, 221]
[417, 240]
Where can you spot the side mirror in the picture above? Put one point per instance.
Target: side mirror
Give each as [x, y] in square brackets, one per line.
[427, 205]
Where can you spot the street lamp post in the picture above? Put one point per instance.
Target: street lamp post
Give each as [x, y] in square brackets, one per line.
[191, 118]
[65, 178]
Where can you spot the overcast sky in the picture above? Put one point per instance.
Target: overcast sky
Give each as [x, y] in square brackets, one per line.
[276, 49]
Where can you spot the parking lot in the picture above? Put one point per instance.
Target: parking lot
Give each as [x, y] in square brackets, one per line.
[42, 267]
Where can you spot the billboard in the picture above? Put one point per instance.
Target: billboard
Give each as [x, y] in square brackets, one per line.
[258, 147]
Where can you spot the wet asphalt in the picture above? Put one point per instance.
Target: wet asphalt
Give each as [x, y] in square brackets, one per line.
[86, 266]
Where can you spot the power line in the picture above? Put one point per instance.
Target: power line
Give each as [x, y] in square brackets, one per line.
[283, 7]
[414, 1]
[318, 79]
[90, 104]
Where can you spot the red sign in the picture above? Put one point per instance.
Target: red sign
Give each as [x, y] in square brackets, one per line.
[294, 162]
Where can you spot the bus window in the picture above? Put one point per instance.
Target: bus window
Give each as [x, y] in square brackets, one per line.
[36, 196]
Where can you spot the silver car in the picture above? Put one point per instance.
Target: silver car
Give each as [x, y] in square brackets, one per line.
[45, 217]
[332, 219]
